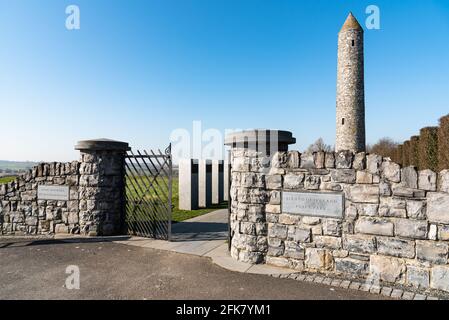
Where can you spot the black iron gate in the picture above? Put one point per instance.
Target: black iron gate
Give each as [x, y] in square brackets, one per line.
[149, 193]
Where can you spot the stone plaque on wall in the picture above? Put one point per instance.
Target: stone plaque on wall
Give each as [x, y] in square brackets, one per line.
[328, 205]
[52, 192]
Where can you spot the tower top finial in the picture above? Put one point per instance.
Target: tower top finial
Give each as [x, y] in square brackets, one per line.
[351, 23]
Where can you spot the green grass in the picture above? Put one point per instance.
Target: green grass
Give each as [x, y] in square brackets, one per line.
[161, 189]
[4, 180]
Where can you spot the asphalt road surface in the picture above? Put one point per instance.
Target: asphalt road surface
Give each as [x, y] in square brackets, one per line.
[37, 270]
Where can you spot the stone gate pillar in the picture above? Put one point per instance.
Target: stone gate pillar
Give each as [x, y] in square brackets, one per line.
[102, 186]
[252, 153]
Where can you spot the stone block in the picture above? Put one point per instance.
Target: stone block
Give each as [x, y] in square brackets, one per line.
[351, 212]
[413, 229]
[277, 231]
[433, 232]
[273, 182]
[311, 220]
[294, 159]
[396, 247]
[61, 228]
[391, 171]
[294, 250]
[427, 180]
[312, 183]
[319, 259]
[443, 233]
[250, 257]
[374, 226]
[392, 207]
[293, 181]
[359, 161]
[332, 227]
[387, 269]
[344, 160]
[443, 181]
[438, 207]
[329, 160]
[327, 242]
[31, 221]
[275, 251]
[409, 177]
[364, 193]
[275, 197]
[343, 175]
[370, 210]
[364, 177]
[400, 191]
[288, 219]
[359, 243]
[418, 277]
[385, 189]
[278, 262]
[320, 160]
[373, 163]
[416, 209]
[431, 251]
[273, 208]
[302, 235]
[440, 278]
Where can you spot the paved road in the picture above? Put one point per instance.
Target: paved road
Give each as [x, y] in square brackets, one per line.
[36, 270]
[211, 226]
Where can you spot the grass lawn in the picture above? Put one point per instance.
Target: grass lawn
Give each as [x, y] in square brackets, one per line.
[161, 185]
[6, 179]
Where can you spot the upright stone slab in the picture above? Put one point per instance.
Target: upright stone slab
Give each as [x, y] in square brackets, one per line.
[217, 181]
[205, 183]
[102, 186]
[226, 176]
[188, 184]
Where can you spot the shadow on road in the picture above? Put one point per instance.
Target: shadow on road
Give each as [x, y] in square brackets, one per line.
[199, 231]
[14, 243]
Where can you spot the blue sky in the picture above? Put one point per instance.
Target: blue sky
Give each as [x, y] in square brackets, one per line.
[137, 70]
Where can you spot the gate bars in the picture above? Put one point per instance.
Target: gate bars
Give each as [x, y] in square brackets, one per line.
[149, 193]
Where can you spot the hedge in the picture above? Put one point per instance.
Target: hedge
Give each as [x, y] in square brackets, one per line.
[428, 149]
[443, 143]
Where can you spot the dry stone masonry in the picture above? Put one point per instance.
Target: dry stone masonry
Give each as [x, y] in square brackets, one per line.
[93, 206]
[394, 227]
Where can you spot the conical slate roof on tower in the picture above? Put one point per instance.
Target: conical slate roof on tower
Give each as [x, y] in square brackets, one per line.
[351, 23]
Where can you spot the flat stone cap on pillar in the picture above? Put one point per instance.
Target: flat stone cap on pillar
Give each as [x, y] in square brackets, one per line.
[102, 145]
[261, 139]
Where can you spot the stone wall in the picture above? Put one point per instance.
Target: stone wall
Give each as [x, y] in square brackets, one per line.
[395, 227]
[21, 213]
[96, 204]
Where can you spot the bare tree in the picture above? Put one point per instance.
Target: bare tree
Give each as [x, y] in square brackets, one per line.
[385, 147]
[319, 145]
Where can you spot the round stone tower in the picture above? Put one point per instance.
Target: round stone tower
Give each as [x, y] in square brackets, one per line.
[350, 88]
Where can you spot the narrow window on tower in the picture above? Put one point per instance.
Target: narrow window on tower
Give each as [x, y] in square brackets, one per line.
[343, 121]
[353, 43]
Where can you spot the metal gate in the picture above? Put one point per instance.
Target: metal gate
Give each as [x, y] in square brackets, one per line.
[149, 193]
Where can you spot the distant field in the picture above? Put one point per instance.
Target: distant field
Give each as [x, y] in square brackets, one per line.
[6, 179]
[16, 165]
